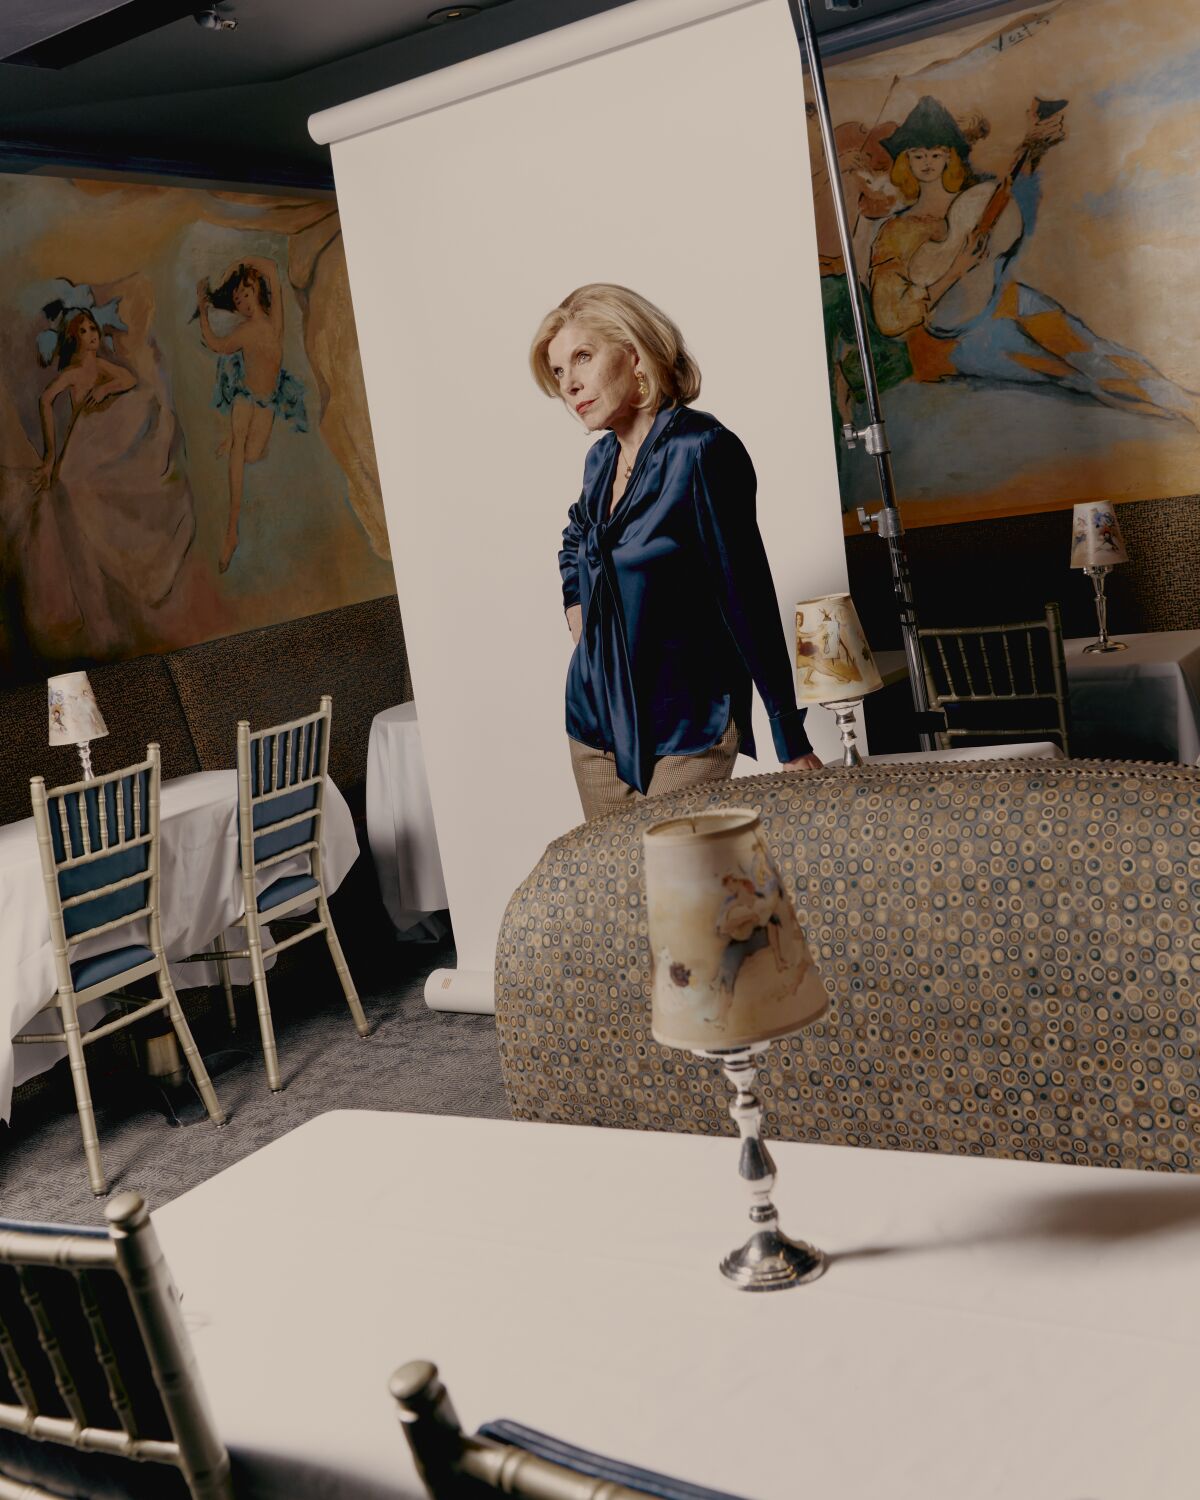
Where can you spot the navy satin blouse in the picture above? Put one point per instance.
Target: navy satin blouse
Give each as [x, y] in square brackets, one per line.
[679, 609]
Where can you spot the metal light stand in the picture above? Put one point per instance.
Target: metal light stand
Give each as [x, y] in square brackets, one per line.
[1099, 575]
[887, 522]
[843, 713]
[85, 759]
[769, 1261]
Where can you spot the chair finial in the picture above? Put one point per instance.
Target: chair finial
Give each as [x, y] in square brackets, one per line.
[127, 1211]
[416, 1387]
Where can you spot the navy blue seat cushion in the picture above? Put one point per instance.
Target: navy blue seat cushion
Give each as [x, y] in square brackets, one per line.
[62, 1471]
[283, 890]
[275, 811]
[101, 872]
[88, 971]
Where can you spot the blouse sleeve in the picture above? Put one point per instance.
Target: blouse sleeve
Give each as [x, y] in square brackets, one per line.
[724, 491]
[568, 557]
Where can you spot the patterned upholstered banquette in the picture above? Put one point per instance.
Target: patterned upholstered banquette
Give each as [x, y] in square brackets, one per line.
[1012, 950]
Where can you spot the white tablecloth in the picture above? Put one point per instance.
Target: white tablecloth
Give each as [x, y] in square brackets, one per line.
[987, 1330]
[200, 895]
[400, 827]
[1144, 701]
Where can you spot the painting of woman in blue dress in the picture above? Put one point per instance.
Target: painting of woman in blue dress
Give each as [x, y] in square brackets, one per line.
[252, 384]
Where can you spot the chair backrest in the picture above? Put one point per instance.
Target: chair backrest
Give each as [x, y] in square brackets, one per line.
[95, 1356]
[517, 1460]
[281, 788]
[98, 842]
[1006, 681]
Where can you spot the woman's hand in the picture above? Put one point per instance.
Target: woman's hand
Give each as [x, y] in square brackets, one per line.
[575, 621]
[804, 763]
[41, 475]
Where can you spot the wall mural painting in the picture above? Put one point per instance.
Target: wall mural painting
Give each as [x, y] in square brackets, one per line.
[184, 443]
[1024, 199]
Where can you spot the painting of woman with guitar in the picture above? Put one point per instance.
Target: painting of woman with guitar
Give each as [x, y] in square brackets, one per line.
[942, 274]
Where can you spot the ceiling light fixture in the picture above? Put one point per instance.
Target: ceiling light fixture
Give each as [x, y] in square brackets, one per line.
[212, 20]
[451, 13]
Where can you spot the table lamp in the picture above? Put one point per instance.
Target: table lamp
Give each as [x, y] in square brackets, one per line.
[834, 665]
[75, 717]
[732, 972]
[1097, 546]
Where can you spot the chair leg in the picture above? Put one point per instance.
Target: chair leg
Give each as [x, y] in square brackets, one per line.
[189, 1049]
[223, 968]
[343, 968]
[262, 1003]
[83, 1100]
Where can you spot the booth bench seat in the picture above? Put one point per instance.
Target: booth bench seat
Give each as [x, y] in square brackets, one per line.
[1011, 948]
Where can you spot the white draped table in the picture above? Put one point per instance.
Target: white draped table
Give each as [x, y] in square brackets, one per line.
[986, 1330]
[200, 896]
[1143, 701]
[400, 826]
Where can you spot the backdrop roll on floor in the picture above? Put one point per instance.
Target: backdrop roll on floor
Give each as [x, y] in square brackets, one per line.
[661, 145]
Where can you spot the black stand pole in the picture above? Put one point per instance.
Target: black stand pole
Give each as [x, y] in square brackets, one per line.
[886, 521]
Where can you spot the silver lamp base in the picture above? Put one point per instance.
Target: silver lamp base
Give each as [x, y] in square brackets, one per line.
[1098, 575]
[843, 713]
[769, 1261]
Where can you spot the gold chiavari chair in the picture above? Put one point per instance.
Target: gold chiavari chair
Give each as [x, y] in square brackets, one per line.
[99, 1391]
[98, 843]
[281, 790]
[996, 682]
[532, 1466]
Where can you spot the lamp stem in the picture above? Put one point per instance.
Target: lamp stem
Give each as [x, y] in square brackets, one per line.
[769, 1261]
[1099, 576]
[887, 522]
[85, 756]
[843, 714]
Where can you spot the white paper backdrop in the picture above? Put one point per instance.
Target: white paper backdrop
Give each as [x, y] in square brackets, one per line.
[643, 146]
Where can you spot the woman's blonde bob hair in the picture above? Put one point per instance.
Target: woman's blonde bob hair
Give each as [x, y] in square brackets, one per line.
[616, 315]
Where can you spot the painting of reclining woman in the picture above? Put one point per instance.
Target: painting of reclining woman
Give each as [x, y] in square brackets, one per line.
[105, 518]
[1016, 329]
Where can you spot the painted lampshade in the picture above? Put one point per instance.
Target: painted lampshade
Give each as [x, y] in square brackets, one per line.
[1096, 539]
[75, 715]
[833, 660]
[731, 964]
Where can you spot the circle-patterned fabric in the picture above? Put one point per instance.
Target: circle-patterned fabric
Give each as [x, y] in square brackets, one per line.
[1012, 952]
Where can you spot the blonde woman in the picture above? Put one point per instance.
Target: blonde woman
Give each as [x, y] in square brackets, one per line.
[666, 586]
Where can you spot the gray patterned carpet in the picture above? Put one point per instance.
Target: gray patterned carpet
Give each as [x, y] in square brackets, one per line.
[415, 1060]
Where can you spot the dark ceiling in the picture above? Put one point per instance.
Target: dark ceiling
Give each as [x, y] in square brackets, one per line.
[232, 105]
